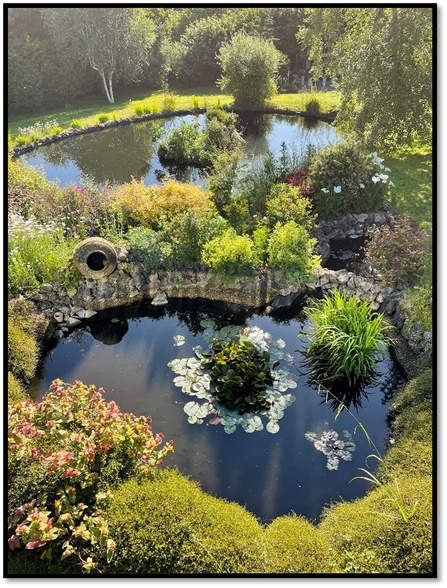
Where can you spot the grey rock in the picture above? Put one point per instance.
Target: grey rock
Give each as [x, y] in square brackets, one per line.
[58, 317]
[160, 299]
[45, 288]
[73, 322]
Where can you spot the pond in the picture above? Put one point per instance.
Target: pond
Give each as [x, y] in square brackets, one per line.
[116, 155]
[269, 471]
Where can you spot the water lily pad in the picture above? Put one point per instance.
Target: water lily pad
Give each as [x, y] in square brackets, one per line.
[276, 412]
[192, 420]
[230, 429]
[179, 340]
[191, 408]
[272, 427]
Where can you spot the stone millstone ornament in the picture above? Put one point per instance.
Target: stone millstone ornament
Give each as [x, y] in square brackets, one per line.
[95, 258]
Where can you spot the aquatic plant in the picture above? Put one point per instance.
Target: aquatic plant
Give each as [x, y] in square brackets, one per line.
[346, 340]
[195, 378]
[333, 447]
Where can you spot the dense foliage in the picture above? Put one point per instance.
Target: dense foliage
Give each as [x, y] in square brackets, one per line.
[381, 60]
[250, 67]
[346, 339]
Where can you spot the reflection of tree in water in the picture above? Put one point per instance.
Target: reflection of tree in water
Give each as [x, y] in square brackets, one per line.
[182, 173]
[113, 155]
[109, 332]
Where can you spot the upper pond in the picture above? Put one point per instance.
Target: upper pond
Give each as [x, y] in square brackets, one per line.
[116, 155]
[127, 351]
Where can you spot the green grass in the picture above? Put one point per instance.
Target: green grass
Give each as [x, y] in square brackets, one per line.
[88, 110]
[412, 174]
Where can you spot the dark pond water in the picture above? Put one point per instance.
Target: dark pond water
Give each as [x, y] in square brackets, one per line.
[126, 351]
[118, 154]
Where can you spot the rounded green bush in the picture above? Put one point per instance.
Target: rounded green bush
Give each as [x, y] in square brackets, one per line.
[231, 254]
[170, 526]
[22, 352]
[15, 391]
[295, 546]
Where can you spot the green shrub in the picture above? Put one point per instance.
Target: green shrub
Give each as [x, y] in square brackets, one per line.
[230, 255]
[170, 526]
[290, 250]
[346, 338]
[35, 253]
[138, 108]
[295, 546]
[188, 232]
[195, 102]
[346, 180]
[146, 247]
[222, 176]
[184, 144]
[168, 101]
[102, 118]
[153, 206]
[76, 123]
[312, 105]
[15, 391]
[22, 352]
[102, 446]
[55, 130]
[261, 236]
[367, 536]
[285, 204]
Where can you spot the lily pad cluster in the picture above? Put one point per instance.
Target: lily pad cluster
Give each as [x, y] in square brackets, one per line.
[240, 374]
[231, 398]
[333, 447]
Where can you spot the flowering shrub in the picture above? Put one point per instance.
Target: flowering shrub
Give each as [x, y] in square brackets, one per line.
[396, 251]
[35, 253]
[345, 179]
[84, 444]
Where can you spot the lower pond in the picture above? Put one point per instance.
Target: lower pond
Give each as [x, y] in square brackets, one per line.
[118, 154]
[300, 461]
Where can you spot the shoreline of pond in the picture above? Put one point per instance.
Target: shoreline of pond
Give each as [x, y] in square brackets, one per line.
[18, 151]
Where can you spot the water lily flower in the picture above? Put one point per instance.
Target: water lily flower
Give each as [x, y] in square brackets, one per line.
[337, 189]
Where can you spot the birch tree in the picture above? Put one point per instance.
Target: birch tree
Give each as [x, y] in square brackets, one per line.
[115, 42]
[380, 59]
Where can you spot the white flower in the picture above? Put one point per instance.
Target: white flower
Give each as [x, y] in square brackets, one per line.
[325, 190]
[391, 183]
[375, 179]
[386, 169]
[362, 185]
[337, 189]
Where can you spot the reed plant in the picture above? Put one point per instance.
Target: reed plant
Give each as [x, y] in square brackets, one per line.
[347, 338]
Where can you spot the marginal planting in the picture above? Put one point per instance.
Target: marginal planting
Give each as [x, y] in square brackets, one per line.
[346, 339]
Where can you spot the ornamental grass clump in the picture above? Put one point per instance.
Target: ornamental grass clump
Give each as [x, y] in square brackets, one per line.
[347, 339]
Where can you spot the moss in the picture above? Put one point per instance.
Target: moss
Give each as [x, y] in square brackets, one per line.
[170, 526]
[22, 352]
[369, 535]
[16, 393]
[295, 546]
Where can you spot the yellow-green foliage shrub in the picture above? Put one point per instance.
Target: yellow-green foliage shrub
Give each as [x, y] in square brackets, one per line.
[22, 352]
[294, 546]
[149, 206]
[369, 536]
[15, 390]
[170, 526]
[230, 255]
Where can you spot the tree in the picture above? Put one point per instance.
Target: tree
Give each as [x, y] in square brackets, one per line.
[380, 59]
[250, 67]
[113, 41]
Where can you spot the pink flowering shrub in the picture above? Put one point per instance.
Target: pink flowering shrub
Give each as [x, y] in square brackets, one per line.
[396, 251]
[84, 446]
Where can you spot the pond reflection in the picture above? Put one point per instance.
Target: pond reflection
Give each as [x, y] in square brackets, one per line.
[118, 154]
[127, 350]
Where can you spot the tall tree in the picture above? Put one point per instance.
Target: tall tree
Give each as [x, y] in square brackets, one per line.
[113, 41]
[250, 66]
[380, 59]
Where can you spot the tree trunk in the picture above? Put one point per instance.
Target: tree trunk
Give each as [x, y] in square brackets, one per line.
[108, 89]
[111, 89]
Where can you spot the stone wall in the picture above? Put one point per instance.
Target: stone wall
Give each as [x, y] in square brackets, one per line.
[130, 281]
